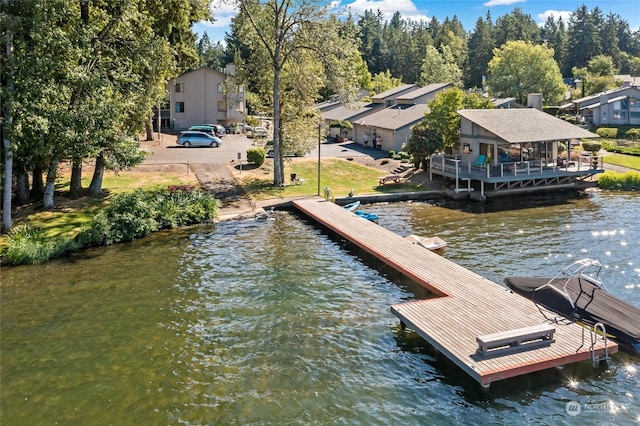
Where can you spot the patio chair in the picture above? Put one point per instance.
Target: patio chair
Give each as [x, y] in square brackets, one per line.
[480, 161]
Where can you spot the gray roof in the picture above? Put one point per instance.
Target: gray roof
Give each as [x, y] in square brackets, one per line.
[421, 91]
[343, 113]
[395, 117]
[393, 92]
[524, 125]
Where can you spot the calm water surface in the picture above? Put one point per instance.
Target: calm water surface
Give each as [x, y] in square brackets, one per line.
[276, 322]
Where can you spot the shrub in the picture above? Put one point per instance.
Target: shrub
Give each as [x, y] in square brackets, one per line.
[633, 134]
[619, 181]
[607, 132]
[256, 156]
[591, 146]
[185, 208]
[128, 216]
[392, 154]
[28, 245]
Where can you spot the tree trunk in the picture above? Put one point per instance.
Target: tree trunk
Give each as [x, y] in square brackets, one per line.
[95, 188]
[7, 183]
[22, 188]
[149, 128]
[278, 164]
[50, 186]
[75, 186]
[37, 186]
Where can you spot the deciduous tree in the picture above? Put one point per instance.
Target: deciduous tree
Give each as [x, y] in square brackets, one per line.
[519, 68]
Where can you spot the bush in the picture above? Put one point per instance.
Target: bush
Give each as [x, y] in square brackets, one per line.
[619, 181]
[591, 146]
[28, 245]
[632, 134]
[392, 154]
[256, 156]
[607, 132]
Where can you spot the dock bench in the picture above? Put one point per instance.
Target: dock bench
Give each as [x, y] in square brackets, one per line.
[529, 337]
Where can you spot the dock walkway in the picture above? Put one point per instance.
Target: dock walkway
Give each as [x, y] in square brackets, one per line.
[469, 306]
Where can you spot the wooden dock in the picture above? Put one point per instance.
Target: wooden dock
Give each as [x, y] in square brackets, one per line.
[469, 306]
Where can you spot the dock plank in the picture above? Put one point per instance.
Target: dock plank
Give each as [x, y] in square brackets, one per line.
[470, 305]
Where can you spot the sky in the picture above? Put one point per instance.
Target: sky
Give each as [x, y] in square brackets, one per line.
[467, 11]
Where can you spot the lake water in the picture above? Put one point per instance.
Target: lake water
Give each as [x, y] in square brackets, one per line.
[276, 322]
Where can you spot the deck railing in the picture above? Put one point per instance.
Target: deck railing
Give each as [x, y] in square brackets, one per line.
[453, 165]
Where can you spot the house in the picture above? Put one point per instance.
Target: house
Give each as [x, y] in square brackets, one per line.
[390, 115]
[516, 149]
[206, 96]
[615, 107]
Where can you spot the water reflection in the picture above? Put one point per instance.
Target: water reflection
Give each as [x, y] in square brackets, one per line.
[277, 322]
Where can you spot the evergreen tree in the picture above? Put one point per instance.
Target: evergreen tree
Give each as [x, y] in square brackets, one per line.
[480, 52]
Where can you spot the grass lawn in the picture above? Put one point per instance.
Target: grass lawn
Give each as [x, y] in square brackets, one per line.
[69, 215]
[630, 161]
[340, 175]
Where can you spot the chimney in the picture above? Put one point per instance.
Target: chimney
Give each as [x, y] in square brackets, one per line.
[534, 100]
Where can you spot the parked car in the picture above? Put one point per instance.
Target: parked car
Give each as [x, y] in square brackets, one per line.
[219, 129]
[212, 129]
[191, 138]
[259, 132]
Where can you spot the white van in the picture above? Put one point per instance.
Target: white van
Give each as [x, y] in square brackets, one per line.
[259, 132]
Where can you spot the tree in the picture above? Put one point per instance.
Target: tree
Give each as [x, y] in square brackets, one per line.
[383, 81]
[423, 143]
[597, 76]
[480, 52]
[443, 119]
[440, 67]
[554, 35]
[584, 38]
[519, 68]
[516, 26]
[282, 34]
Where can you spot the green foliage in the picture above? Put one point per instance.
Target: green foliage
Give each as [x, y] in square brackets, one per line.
[423, 143]
[519, 68]
[440, 67]
[632, 134]
[384, 81]
[341, 124]
[607, 132]
[619, 181]
[28, 245]
[443, 118]
[614, 147]
[591, 146]
[136, 214]
[256, 156]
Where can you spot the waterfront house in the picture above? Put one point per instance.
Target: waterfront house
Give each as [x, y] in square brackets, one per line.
[615, 107]
[515, 149]
[206, 96]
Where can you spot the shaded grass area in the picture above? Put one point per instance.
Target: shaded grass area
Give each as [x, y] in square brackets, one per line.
[67, 219]
[342, 176]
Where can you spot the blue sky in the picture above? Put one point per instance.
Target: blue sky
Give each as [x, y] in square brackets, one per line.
[467, 11]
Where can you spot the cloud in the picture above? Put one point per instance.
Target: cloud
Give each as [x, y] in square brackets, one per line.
[406, 8]
[502, 2]
[222, 13]
[564, 14]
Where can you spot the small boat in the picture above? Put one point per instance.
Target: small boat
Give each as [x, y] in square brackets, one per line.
[435, 244]
[369, 216]
[352, 207]
[578, 294]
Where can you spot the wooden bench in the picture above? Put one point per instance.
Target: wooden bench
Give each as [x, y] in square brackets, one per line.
[390, 179]
[174, 188]
[519, 338]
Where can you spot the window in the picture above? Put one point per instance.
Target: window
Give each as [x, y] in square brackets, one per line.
[222, 106]
[179, 106]
[179, 87]
[220, 88]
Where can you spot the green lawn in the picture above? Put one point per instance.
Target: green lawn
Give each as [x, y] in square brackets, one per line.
[630, 161]
[341, 176]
